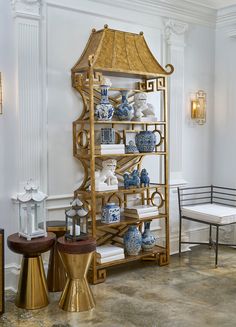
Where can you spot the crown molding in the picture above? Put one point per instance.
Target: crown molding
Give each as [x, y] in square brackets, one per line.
[226, 17]
[177, 9]
[232, 33]
[214, 4]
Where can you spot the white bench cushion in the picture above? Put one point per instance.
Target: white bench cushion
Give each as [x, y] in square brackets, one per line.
[211, 212]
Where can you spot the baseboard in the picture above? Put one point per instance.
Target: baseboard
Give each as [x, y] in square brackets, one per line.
[12, 272]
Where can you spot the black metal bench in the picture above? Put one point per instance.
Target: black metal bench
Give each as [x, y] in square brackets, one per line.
[211, 205]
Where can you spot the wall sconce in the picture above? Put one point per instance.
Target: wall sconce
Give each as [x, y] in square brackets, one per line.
[0, 93]
[198, 107]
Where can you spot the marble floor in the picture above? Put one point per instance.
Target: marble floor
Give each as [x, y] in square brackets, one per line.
[187, 293]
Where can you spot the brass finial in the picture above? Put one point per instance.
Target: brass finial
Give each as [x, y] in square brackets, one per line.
[105, 26]
[141, 33]
[93, 30]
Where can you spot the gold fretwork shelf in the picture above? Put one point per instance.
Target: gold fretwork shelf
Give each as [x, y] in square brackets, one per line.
[103, 57]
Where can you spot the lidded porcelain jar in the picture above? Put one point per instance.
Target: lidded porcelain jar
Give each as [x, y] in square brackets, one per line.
[145, 141]
[110, 213]
[132, 240]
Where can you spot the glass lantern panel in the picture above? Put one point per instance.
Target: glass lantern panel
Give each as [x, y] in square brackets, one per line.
[84, 225]
[32, 219]
[25, 228]
[38, 218]
[73, 226]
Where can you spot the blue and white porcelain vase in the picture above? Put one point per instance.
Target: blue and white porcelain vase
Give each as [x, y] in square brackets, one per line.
[145, 141]
[104, 110]
[110, 213]
[132, 240]
[148, 239]
[124, 110]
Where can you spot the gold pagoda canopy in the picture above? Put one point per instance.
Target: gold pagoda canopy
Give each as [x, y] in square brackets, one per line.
[115, 51]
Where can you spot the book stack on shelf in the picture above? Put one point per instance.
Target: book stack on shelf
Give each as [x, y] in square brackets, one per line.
[110, 149]
[141, 211]
[109, 252]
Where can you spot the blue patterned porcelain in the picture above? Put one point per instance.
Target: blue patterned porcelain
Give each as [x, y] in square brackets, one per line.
[148, 240]
[132, 240]
[110, 213]
[145, 141]
[144, 178]
[104, 110]
[131, 179]
[108, 135]
[124, 110]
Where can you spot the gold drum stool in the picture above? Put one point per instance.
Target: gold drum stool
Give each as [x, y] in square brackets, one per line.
[56, 276]
[76, 257]
[32, 290]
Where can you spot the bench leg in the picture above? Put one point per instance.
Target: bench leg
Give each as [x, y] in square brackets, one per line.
[180, 231]
[210, 237]
[217, 240]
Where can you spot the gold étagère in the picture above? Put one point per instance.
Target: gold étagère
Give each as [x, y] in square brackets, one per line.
[111, 50]
[116, 53]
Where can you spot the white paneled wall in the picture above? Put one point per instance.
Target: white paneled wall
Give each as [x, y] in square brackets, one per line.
[45, 40]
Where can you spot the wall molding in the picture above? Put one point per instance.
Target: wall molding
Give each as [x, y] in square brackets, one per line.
[26, 8]
[176, 9]
[226, 17]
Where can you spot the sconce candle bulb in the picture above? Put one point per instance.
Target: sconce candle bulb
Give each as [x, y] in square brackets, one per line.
[198, 107]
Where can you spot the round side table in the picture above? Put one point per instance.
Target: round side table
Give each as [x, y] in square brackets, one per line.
[76, 256]
[32, 287]
[56, 276]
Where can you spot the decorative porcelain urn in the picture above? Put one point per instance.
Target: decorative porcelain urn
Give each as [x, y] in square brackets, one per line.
[148, 239]
[104, 110]
[132, 240]
[124, 110]
[145, 141]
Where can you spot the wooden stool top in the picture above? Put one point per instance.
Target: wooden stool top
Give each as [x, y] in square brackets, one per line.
[30, 248]
[76, 247]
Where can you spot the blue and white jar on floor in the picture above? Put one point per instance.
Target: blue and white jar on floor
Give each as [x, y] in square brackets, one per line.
[104, 110]
[148, 239]
[124, 110]
[132, 240]
[145, 141]
[110, 213]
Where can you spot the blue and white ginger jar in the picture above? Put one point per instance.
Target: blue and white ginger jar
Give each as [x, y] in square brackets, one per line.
[132, 240]
[104, 110]
[110, 213]
[124, 110]
[148, 239]
[145, 141]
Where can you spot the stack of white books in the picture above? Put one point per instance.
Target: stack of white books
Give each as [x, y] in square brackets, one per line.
[141, 211]
[110, 149]
[109, 252]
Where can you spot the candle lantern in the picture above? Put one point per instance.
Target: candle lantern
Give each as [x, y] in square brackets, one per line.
[77, 221]
[32, 212]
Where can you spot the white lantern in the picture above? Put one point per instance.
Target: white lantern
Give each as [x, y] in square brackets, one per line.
[32, 212]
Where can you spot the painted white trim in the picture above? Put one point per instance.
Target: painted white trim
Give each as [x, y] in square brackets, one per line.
[176, 9]
[226, 17]
[214, 4]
